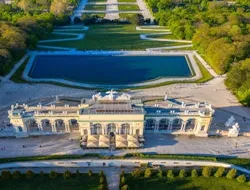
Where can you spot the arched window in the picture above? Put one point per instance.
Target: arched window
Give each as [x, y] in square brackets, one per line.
[190, 124]
[96, 129]
[163, 125]
[176, 125]
[150, 124]
[125, 129]
[111, 128]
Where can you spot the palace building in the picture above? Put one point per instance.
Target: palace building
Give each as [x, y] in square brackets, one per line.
[113, 120]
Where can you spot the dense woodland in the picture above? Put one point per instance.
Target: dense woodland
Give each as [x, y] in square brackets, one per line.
[24, 22]
[220, 31]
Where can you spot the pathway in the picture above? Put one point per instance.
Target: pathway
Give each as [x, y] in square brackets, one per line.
[79, 10]
[145, 11]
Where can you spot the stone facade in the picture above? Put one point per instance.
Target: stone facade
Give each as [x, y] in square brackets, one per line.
[113, 113]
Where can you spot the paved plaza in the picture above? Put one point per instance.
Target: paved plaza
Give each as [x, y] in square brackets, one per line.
[155, 143]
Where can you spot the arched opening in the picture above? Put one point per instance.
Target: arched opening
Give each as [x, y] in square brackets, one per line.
[60, 125]
[46, 126]
[163, 125]
[150, 124]
[32, 126]
[125, 129]
[73, 125]
[96, 129]
[190, 125]
[176, 125]
[111, 128]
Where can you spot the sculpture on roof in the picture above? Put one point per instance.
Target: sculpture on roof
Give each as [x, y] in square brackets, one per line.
[111, 95]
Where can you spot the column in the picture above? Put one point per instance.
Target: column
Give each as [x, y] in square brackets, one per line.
[66, 123]
[183, 126]
[170, 126]
[40, 126]
[53, 126]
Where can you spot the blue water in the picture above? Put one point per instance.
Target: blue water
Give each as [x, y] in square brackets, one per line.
[111, 70]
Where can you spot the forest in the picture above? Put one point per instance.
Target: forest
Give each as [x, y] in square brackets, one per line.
[24, 22]
[220, 32]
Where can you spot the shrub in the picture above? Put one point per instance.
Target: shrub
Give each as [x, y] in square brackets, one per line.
[194, 173]
[160, 173]
[16, 175]
[5, 174]
[124, 187]
[30, 174]
[136, 173]
[67, 174]
[248, 183]
[102, 180]
[219, 172]
[102, 187]
[147, 172]
[41, 173]
[53, 175]
[170, 174]
[206, 171]
[101, 173]
[182, 173]
[231, 173]
[77, 172]
[90, 173]
[241, 179]
[123, 180]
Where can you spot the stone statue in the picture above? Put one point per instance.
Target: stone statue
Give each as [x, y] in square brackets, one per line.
[234, 131]
[230, 122]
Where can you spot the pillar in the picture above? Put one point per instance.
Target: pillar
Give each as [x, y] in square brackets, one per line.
[183, 126]
[170, 126]
[66, 123]
[53, 126]
[40, 125]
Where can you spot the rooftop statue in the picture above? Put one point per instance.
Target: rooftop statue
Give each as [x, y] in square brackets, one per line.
[234, 131]
[230, 122]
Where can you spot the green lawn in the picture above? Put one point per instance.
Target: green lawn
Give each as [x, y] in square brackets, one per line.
[95, 7]
[83, 182]
[128, 7]
[17, 76]
[102, 15]
[206, 76]
[126, 15]
[97, 0]
[57, 36]
[188, 183]
[112, 37]
[163, 36]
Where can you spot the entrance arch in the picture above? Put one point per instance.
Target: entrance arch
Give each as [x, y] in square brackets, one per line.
[32, 126]
[150, 124]
[60, 125]
[190, 124]
[96, 129]
[176, 125]
[111, 128]
[46, 125]
[73, 125]
[125, 129]
[163, 124]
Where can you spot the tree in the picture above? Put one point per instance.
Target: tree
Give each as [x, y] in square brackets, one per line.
[5, 174]
[67, 174]
[53, 174]
[26, 5]
[101, 173]
[170, 174]
[124, 187]
[136, 19]
[29, 174]
[90, 173]
[136, 173]
[123, 180]
[219, 172]
[77, 172]
[102, 180]
[182, 173]
[231, 173]
[147, 173]
[59, 6]
[16, 175]
[160, 173]
[41, 173]
[241, 178]
[194, 173]
[206, 171]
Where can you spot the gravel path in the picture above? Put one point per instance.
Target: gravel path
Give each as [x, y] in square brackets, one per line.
[112, 10]
[145, 11]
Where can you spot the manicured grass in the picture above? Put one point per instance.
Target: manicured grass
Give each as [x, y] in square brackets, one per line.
[163, 36]
[126, 0]
[95, 7]
[17, 76]
[102, 15]
[187, 183]
[57, 36]
[83, 181]
[97, 0]
[112, 37]
[128, 7]
[126, 15]
[206, 76]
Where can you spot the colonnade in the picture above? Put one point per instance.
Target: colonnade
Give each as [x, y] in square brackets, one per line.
[170, 125]
[50, 125]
